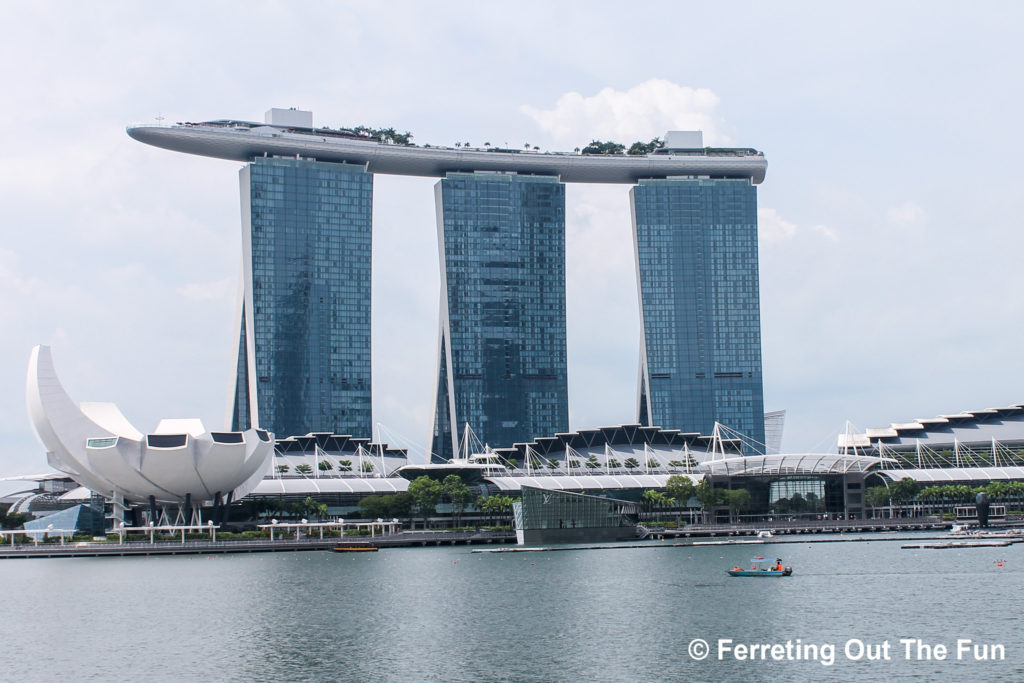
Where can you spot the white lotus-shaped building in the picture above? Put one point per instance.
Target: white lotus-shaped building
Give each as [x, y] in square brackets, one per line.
[179, 462]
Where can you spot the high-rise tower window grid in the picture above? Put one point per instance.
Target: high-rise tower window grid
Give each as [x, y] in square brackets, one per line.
[696, 249]
[502, 240]
[307, 283]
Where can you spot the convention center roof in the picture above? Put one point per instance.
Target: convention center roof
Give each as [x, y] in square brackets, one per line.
[791, 464]
[589, 483]
[955, 474]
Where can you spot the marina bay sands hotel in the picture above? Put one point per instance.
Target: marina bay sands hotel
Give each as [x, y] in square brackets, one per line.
[304, 326]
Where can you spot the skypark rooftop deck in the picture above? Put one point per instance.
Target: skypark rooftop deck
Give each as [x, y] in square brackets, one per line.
[244, 140]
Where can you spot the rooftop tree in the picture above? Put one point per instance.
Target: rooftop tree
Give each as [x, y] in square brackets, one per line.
[599, 147]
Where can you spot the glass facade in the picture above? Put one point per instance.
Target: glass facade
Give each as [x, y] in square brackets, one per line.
[304, 348]
[696, 250]
[543, 516]
[502, 354]
[543, 509]
[83, 519]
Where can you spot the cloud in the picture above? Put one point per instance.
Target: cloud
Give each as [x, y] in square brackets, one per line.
[217, 290]
[774, 229]
[643, 112]
[602, 316]
[908, 214]
[830, 234]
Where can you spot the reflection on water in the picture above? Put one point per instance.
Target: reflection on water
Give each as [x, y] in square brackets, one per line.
[446, 614]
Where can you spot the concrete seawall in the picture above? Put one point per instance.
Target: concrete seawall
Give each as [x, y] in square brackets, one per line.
[203, 547]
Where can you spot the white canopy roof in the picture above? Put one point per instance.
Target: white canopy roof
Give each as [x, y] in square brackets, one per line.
[295, 486]
[589, 482]
[805, 463]
[948, 474]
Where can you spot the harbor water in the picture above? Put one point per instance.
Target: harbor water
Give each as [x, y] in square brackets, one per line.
[450, 614]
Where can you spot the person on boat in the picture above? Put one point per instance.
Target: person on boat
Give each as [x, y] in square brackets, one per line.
[778, 564]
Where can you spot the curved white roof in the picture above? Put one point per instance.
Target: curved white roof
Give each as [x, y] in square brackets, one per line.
[244, 142]
[294, 486]
[590, 482]
[945, 475]
[805, 463]
[79, 493]
[97, 447]
[969, 426]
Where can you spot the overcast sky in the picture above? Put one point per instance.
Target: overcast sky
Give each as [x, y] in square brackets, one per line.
[889, 220]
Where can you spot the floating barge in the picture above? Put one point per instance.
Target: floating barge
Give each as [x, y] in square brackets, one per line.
[959, 544]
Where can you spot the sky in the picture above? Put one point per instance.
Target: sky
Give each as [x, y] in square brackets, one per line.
[889, 221]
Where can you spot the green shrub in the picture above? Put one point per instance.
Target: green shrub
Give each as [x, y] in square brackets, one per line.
[252, 535]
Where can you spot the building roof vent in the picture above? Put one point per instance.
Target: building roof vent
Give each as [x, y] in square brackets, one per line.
[683, 139]
[289, 118]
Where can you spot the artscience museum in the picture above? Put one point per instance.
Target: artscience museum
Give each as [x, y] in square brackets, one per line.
[169, 474]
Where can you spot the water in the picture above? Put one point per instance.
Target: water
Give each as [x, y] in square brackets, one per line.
[446, 614]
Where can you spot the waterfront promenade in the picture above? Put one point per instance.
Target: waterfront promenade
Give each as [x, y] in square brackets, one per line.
[838, 526]
[288, 544]
[405, 539]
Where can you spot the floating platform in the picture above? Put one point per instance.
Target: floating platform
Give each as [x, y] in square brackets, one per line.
[959, 544]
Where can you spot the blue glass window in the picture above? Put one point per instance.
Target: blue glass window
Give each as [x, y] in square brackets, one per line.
[309, 237]
[503, 314]
[697, 268]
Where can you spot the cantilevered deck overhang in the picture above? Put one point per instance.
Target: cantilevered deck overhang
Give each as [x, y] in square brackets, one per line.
[245, 143]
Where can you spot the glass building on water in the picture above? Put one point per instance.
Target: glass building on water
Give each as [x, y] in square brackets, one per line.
[543, 516]
[304, 348]
[696, 251]
[502, 348]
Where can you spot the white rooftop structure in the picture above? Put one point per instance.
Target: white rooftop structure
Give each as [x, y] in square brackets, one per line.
[791, 464]
[290, 133]
[94, 444]
[945, 475]
[684, 139]
[598, 482]
[309, 486]
[289, 118]
[1004, 425]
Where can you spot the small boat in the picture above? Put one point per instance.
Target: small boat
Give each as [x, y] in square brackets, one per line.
[347, 548]
[758, 570]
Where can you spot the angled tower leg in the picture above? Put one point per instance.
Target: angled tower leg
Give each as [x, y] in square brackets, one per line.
[696, 260]
[503, 340]
[304, 347]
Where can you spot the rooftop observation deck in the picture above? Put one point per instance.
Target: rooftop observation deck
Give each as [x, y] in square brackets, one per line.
[244, 140]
